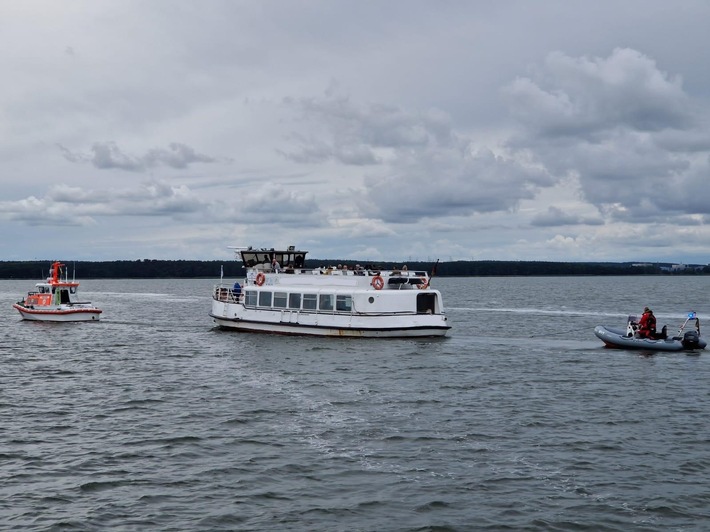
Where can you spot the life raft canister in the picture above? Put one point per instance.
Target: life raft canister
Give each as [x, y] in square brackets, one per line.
[260, 278]
[378, 283]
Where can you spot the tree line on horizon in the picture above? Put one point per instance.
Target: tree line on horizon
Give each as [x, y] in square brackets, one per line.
[186, 269]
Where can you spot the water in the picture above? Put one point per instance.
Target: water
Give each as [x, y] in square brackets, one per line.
[152, 420]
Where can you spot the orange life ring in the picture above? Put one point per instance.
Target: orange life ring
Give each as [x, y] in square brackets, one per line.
[424, 283]
[378, 283]
[260, 278]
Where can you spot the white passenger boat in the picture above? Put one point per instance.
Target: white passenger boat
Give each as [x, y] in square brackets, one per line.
[55, 300]
[280, 295]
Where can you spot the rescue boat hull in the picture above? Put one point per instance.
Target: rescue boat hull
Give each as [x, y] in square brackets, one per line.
[619, 339]
[59, 314]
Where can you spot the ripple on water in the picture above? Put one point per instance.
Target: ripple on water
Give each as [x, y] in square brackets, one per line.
[165, 424]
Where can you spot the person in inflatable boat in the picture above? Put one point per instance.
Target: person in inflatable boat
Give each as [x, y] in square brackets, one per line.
[647, 326]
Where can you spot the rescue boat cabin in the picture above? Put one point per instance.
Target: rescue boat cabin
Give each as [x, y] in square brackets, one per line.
[56, 290]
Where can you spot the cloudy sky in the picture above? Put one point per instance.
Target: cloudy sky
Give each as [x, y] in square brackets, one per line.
[374, 130]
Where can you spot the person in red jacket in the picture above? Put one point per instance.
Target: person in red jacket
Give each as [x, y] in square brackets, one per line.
[647, 324]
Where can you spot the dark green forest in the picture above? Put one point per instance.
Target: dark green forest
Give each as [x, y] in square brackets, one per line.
[175, 269]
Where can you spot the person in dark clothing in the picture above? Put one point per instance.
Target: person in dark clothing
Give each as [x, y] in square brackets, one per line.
[236, 290]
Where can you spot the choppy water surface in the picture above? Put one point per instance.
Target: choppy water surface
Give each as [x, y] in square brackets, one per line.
[152, 420]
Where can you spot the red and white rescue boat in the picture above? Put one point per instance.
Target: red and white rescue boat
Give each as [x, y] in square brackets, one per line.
[55, 300]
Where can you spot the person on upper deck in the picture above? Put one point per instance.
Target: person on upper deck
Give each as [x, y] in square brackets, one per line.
[275, 266]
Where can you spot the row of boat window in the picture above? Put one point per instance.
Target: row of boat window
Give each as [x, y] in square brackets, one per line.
[297, 301]
[47, 289]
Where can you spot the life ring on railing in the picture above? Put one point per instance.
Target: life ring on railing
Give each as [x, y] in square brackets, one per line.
[260, 278]
[378, 283]
[424, 283]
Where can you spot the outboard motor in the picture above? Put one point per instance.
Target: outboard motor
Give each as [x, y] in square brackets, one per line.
[691, 340]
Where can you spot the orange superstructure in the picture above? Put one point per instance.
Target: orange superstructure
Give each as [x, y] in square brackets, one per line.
[55, 300]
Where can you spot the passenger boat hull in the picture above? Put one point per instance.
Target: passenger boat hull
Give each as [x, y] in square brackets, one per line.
[58, 314]
[234, 316]
[619, 339]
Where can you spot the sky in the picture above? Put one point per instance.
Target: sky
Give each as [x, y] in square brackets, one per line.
[374, 130]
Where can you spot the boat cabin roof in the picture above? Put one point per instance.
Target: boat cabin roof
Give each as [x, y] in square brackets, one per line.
[289, 257]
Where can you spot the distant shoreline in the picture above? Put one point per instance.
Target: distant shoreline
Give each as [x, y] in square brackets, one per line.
[194, 269]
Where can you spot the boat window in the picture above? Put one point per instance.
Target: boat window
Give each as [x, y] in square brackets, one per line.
[426, 303]
[294, 300]
[309, 301]
[326, 302]
[250, 297]
[72, 289]
[264, 299]
[280, 299]
[344, 303]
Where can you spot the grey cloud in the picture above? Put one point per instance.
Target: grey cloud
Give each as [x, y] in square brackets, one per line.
[34, 211]
[350, 133]
[73, 206]
[619, 124]
[270, 204]
[555, 217]
[277, 204]
[432, 171]
[317, 151]
[452, 182]
[107, 155]
[580, 96]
